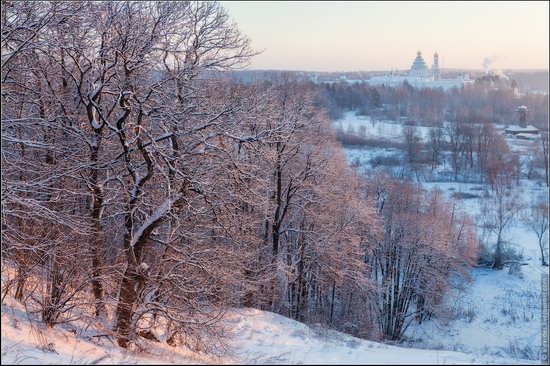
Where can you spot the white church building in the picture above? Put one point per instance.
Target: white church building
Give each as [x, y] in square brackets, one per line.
[420, 76]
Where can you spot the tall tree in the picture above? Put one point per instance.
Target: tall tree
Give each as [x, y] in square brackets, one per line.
[537, 220]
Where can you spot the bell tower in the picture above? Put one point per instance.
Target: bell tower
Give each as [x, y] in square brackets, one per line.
[435, 67]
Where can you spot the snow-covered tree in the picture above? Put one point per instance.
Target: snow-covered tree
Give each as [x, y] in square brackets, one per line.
[537, 220]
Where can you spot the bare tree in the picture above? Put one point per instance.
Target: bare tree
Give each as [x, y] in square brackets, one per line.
[425, 240]
[413, 146]
[537, 220]
[118, 124]
[498, 211]
[456, 142]
[544, 144]
[436, 140]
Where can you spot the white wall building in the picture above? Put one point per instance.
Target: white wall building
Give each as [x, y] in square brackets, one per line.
[420, 76]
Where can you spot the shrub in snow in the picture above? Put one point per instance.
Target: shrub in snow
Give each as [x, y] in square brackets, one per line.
[515, 269]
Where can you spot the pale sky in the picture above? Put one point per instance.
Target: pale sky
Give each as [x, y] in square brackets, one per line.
[353, 36]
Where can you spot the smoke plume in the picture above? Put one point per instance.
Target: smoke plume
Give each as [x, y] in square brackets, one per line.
[487, 62]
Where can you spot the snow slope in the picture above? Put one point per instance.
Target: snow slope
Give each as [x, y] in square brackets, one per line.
[497, 313]
[290, 342]
[259, 338]
[33, 343]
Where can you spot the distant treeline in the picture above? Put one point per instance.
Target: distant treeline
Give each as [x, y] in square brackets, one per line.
[528, 82]
[489, 99]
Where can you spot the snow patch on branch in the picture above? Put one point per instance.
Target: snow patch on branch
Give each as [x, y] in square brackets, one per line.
[152, 220]
[95, 124]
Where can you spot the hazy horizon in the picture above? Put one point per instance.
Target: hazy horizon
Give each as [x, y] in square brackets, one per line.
[377, 36]
[447, 69]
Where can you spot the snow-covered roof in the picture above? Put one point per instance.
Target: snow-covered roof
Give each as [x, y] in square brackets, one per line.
[519, 129]
[527, 136]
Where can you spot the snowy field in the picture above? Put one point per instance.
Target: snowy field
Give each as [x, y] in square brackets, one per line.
[393, 130]
[384, 129]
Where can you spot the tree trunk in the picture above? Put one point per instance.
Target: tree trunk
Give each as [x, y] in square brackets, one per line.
[276, 226]
[97, 287]
[544, 263]
[97, 241]
[21, 275]
[124, 311]
[498, 263]
[248, 298]
[332, 301]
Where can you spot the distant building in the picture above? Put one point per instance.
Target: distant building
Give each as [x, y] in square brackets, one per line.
[527, 136]
[522, 111]
[420, 76]
[419, 68]
[435, 68]
[522, 131]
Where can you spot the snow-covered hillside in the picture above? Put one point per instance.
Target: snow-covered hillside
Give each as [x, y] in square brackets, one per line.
[496, 318]
[258, 338]
[498, 313]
